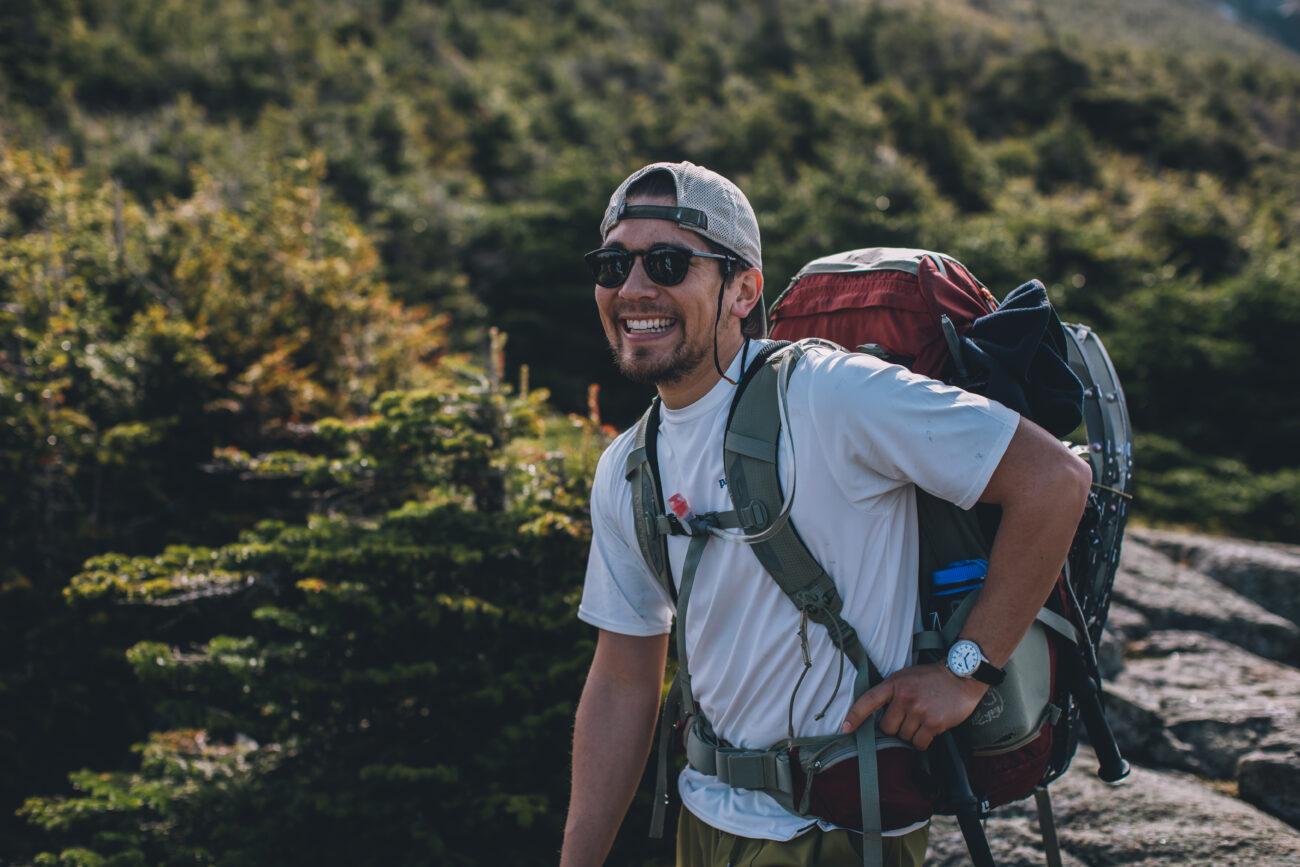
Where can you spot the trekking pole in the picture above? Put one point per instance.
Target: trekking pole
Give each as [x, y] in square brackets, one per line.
[965, 806]
[1111, 766]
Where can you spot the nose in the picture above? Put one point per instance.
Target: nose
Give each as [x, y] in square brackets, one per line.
[638, 283]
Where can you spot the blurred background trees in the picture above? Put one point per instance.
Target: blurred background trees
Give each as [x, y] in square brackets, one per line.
[279, 506]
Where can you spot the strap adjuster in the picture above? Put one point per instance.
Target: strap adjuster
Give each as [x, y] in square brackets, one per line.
[744, 770]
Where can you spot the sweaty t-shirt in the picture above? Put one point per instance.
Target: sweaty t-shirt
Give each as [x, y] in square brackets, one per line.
[861, 434]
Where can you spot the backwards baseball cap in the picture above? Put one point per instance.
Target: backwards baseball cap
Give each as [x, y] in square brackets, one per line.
[708, 205]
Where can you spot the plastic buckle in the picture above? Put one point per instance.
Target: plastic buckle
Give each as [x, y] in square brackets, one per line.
[744, 771]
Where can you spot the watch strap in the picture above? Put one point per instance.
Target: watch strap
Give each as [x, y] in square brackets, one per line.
[987, 672]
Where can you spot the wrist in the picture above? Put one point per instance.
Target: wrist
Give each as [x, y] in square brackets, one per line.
[966, 660]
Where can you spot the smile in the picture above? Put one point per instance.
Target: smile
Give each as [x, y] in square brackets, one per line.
[648, 326]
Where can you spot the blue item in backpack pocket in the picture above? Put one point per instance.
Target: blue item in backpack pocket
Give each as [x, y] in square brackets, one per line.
[959, 577]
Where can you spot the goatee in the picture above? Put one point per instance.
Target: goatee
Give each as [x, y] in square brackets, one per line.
[647, 369]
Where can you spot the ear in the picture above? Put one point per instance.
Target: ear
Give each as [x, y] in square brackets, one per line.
[747, 288]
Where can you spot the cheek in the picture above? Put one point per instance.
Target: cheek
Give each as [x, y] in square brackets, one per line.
[604, 303]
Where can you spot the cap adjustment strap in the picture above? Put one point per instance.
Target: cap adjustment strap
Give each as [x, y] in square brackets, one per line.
[689, 218]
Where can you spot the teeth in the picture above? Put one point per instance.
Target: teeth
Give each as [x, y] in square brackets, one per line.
[644, 325]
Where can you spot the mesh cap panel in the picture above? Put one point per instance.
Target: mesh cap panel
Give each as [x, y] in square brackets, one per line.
[731, 220]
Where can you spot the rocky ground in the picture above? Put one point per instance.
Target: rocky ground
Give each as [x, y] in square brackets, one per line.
[1203, 692]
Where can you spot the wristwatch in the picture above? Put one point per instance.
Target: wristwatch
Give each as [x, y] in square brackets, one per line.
[965, 659]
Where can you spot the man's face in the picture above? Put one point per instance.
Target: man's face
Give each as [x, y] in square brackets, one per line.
[660, 334]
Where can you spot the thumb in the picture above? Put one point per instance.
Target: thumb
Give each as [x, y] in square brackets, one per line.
[868, 703]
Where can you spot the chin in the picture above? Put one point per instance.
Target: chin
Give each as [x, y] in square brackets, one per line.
[649, 371]
[653, 368]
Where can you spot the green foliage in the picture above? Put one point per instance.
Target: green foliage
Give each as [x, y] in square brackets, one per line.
[392, 684]
[131, 343]
[222, 221]
[476, 143]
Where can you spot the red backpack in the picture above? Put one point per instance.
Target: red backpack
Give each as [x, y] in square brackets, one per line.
[893, 300]
[926, 311]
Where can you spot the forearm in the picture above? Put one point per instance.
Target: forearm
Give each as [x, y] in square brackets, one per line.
[1032, 542]
[611, 742]
[1042, 489]
[1023, 567]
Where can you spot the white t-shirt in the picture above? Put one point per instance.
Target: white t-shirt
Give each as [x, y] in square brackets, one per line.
[863, 433]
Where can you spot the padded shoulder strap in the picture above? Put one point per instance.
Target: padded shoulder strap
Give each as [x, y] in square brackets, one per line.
[750, 465]
[642, 472]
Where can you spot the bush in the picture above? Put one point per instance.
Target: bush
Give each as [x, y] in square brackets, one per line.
[382, 683]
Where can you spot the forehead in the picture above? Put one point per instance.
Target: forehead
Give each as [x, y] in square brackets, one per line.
[639, 234]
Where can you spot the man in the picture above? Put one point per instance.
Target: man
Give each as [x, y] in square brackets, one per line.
[862, 434]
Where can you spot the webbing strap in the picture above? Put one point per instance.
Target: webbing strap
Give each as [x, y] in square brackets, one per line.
[734, 519]
[1058, 624]
[659, 809]
[761, 770]
[693, 554]
[939, 642]
[641, 471]
[679, 698]
[1047, 826]
[873, 846]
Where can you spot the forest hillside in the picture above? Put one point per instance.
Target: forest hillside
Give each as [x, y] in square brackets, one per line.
[301, 383]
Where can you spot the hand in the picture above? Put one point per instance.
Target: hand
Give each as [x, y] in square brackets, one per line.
[921, 702]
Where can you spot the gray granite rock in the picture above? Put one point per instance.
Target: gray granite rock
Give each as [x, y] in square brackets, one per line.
[1172, 596]
[1152, 818]
[1267, 573]
[1124, 626]
[1188, 701]
[1269, 778]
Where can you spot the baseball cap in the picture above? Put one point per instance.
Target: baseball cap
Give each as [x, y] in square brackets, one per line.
[707, 204]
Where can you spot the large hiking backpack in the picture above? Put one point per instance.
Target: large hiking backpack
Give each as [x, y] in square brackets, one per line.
[926, 311]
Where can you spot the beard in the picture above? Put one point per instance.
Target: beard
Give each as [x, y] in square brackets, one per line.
[650, 368]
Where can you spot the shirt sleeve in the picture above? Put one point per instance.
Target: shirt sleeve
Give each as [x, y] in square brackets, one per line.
[620, 593]
[904, 428]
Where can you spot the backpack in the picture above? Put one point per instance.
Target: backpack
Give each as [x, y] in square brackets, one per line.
[926, 311]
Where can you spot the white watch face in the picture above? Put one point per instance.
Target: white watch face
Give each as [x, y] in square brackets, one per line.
[964, 658]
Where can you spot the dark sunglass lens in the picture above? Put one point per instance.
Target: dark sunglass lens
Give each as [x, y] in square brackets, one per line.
[609, 268]
[667, 267]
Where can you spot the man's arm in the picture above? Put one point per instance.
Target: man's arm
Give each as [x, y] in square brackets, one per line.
[611, 741]
[1042, 489]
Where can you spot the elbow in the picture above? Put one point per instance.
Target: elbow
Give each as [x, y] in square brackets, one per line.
[1079, 483]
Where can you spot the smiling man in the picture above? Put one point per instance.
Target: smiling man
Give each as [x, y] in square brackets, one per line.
[663, 338]
[679, 290]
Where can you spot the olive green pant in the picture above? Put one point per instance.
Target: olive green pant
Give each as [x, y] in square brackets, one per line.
[701, 845]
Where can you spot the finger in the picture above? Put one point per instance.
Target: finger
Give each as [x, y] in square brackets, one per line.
[894, 715]
[924, 736]
[867, 704]
[910, 730]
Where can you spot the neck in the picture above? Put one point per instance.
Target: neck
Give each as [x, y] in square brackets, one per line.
[701, 381]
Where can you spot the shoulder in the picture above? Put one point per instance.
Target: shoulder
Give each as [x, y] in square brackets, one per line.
[833, 374]
[612, 465]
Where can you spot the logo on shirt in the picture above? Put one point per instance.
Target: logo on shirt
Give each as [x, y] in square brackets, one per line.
[722, 483]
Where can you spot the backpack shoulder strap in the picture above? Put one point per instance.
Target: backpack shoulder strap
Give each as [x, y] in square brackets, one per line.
[750, 465]
[652, 528]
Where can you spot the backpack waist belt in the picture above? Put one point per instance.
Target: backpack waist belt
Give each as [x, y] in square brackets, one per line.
[787, 772]
[762, 770]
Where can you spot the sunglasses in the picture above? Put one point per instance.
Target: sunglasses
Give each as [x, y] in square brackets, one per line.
[665, 265]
